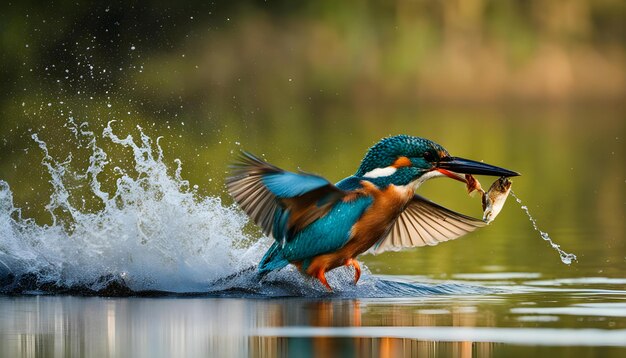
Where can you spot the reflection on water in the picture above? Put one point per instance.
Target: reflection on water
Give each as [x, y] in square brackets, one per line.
[582, 318]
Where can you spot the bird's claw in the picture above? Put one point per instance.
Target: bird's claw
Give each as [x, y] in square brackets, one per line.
[357, 269]
[320, 275]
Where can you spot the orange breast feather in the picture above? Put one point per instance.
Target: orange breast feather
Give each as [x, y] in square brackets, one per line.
[376, 221]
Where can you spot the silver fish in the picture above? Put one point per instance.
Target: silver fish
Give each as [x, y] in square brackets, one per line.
[494, 198]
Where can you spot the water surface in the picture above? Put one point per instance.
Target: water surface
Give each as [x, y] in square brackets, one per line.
[517, 313]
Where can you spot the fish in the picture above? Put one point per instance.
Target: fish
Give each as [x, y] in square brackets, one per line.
[493, 200]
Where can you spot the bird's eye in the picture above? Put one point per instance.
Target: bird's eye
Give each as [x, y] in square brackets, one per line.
[428, 156]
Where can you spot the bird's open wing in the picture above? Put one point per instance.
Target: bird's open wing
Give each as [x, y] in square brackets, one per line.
[425, 223]
[281, 202]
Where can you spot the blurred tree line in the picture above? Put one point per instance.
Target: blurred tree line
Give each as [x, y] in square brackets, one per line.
[381, 51]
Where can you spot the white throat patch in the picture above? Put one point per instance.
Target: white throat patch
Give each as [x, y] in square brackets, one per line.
[380, 172]
[429, 175]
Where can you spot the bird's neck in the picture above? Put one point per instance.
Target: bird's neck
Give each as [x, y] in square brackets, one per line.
[426, 176]
[354, 182]
[412, 182]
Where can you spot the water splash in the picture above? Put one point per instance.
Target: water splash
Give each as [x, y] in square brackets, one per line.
[566, 258]
[153, 232]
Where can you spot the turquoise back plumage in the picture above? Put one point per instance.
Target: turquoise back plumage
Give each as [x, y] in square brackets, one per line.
[327, 234]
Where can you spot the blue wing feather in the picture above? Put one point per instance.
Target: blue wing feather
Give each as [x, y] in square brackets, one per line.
[281, 202]
[288, 185]
[280, 229]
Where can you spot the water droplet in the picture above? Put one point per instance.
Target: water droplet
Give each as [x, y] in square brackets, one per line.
[566, 258]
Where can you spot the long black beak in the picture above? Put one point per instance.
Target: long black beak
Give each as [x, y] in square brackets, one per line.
[467, 166]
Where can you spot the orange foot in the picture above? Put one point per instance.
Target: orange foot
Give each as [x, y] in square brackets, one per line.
[320, 275]
[357, 269]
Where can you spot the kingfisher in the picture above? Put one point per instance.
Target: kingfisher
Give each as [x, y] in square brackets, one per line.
[318, 226]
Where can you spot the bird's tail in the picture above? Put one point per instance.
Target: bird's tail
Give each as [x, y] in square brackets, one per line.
[272, 260]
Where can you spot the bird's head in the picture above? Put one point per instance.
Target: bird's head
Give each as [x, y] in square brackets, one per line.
[403, 159]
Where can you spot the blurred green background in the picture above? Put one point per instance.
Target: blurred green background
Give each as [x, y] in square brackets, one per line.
[535, 86]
